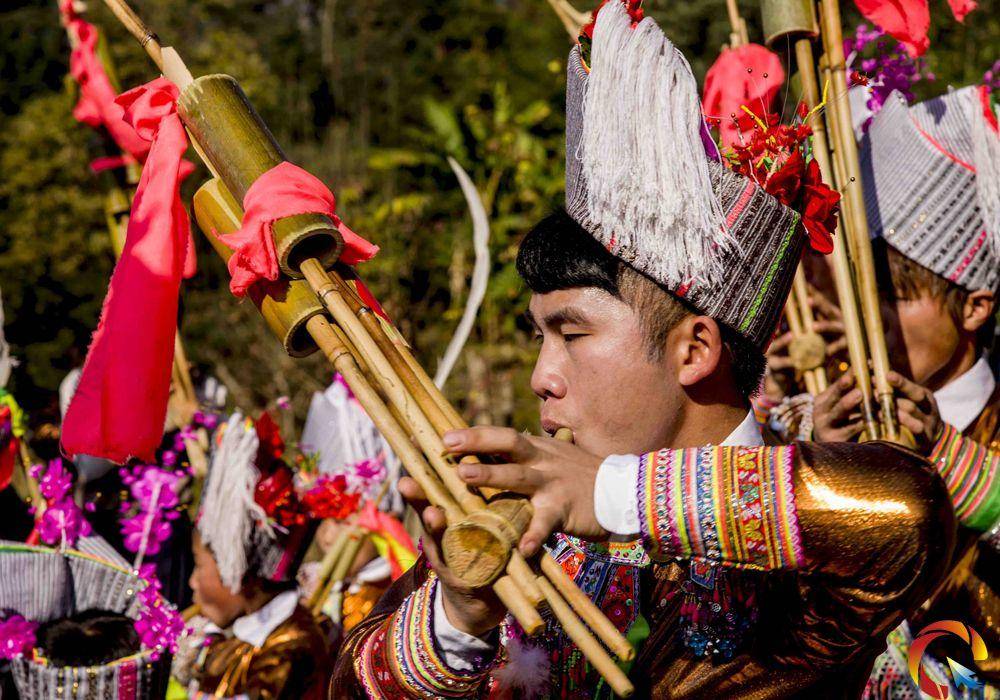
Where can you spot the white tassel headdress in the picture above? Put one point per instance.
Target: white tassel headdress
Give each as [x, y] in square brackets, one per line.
[648, 186]
[228, 509]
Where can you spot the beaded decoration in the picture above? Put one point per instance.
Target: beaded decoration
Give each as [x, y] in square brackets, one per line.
[406, 650]
[731, 505]
[970, 470]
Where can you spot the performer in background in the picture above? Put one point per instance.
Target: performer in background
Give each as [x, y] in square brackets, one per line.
[938, 250]
[250, 539]
[739, 570]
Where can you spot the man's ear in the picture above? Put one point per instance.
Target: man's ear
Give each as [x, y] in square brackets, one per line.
[978, 308]
[698, 347]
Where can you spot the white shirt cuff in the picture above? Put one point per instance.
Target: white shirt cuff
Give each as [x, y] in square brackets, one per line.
[461, 651]
[616, 498]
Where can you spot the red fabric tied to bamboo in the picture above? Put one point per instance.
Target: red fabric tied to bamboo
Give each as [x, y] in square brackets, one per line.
[907, 21]
[748, 75]
[284, 190]
[97, 107]
[120, 405]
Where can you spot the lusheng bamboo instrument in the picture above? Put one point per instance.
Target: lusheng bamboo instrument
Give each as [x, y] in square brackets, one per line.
[807, 349]
[836, 153]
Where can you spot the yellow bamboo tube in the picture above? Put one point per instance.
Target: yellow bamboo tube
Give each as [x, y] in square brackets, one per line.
[840, 114]
[326, 567]
[843, 278]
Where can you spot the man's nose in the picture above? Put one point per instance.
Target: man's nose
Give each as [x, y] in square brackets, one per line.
[546, 380]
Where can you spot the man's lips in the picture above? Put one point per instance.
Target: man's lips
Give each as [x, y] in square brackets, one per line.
[551, 426]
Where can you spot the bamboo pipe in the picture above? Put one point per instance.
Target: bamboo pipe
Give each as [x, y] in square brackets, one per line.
[582, 604]
[217, 213]
[326, 566]
[817, 371]
[738, 36]
[843, 277]
[840, 114]
[335, 350]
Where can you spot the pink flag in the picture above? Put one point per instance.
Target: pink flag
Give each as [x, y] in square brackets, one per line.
[748, 75]
[284, 190]
[907, 21]
[120, 405]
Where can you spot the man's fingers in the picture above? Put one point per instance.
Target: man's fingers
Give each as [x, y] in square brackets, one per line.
[780, 343]
[410, 490]
[833, 393]
[507, 477]
[489, 440]
[837, 346]
[829, 327]
[913, 424]
[847, 403]
[543, 523]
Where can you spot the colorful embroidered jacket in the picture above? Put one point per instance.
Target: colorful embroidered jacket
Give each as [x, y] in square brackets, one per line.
[292, 664]
[764, 573]
[970, 463]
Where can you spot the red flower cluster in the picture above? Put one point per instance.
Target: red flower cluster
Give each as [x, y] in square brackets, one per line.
[774, 158]
[330, 499]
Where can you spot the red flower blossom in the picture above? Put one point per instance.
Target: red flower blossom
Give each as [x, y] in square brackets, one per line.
[276, 495]
[784, 183]
[819, 208]
[272, 447]
[858, 78]
[329, 498]
[802, 110]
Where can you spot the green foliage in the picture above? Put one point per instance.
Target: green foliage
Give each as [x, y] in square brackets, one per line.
[370, 96]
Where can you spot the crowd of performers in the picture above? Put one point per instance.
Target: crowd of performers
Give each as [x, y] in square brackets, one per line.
[733, 528]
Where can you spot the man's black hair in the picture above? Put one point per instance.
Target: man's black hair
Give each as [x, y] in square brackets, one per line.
[558, 253]
[88, 638]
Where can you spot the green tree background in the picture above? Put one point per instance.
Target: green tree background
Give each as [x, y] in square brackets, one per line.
[371, 97]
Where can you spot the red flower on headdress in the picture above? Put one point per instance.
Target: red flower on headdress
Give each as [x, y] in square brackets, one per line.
[820, 205]
[330, 499]
[272, 447]
[276, 495]
[785, 182]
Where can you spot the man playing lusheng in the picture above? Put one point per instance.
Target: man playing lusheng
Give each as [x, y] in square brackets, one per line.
[739, 570]
[939, 273]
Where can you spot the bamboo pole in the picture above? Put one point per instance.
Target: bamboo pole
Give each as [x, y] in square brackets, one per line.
[839, 113]
[843, 277]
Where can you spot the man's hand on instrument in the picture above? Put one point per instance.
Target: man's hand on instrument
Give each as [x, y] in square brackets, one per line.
[558, 477]
[473, 611]
[835, 411]
[917, 411]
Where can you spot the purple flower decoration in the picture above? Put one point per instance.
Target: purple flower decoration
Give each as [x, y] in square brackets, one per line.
[991, 78]
[144, 528]
[17, 637]
[891, 68]
[159, 625]
[62, 523]
[155, 492]
[56, 483]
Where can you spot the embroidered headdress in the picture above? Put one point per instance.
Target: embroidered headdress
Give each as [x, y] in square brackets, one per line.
[931, 175]
[645, 179]
[38, 585]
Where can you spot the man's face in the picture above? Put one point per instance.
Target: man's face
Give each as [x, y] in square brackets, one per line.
[921, 336]
[594, 374]
[217, 603]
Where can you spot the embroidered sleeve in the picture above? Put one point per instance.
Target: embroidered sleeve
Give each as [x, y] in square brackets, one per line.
[402, 659]
[733, 505]
[970, 470]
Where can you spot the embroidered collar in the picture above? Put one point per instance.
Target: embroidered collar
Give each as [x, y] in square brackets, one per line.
[747, 433]
[255, 628]
[962, 400]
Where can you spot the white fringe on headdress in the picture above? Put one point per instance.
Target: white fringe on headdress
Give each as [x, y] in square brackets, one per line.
[647, 174]
[986, 160]
[6, 361]
[228, 509]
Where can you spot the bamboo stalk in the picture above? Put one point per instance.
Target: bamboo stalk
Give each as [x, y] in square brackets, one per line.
[839, 112]
[326, 566]
[843, 278]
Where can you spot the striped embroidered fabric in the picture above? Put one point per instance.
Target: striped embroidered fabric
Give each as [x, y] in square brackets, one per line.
[407, 646]
[970, 471]
[733, 505]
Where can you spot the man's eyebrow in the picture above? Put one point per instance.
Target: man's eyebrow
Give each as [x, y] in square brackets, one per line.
[565, 315]
[530, 318]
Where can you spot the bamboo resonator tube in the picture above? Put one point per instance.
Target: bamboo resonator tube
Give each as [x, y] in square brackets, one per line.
[218, 214]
